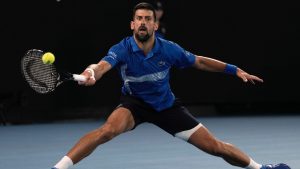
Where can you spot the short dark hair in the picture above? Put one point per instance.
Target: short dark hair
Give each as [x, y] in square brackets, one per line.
[144, 5]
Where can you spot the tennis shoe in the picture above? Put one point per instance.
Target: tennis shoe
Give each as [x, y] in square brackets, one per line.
[277, 166]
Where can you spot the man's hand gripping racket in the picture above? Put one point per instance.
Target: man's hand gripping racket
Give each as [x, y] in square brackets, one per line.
[89, 74]
[44, 78]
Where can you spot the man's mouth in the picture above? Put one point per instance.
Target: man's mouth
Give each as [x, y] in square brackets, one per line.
[142, 29]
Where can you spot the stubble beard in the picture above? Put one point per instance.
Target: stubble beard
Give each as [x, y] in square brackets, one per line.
[142, 38]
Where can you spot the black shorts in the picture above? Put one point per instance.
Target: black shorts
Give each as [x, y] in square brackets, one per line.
[173, 120]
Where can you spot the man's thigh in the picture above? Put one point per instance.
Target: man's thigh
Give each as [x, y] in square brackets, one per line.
[121, 119]
[177, 121]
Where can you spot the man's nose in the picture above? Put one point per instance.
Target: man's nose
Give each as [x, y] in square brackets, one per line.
[143, 21]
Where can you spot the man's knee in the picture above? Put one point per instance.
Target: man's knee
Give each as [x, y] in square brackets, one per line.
[218, 148]
[106, 133]
[211, 146]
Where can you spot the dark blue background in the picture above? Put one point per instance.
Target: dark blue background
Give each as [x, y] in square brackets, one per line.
[262, 39]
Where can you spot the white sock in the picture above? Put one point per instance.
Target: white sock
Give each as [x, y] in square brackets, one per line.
[253, 165]
[64, 163]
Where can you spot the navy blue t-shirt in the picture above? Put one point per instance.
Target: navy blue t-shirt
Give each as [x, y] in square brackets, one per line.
[147, 77]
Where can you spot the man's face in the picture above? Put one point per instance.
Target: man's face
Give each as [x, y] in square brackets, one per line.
[143, 24]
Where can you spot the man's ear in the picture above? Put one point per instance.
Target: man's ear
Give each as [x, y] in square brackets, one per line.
[131, 25]
[156, 26]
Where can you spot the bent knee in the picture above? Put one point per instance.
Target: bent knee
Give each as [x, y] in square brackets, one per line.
[106, 133]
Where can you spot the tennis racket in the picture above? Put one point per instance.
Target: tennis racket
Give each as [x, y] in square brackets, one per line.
[44, 78]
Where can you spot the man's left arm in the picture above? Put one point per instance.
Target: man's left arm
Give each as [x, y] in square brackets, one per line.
[213, 65]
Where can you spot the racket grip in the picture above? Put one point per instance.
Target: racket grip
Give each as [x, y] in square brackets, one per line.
[79, 78]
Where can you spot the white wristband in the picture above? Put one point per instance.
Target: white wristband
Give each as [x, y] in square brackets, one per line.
[91, 71]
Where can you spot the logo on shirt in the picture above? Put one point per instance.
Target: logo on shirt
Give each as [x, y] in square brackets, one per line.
[112, 54]
[161, 63]
[187, 53]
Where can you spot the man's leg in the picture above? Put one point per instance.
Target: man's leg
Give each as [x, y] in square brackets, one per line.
[205, 141]
[180, 123]
[121, 120]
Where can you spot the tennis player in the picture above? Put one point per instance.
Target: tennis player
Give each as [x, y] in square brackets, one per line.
[144, 62]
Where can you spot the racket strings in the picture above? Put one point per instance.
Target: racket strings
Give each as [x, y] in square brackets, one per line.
[41, 77]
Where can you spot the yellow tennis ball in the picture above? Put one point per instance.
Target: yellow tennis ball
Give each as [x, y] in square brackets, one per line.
[48, 58]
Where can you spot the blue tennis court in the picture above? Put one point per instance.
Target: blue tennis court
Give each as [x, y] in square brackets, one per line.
[268, 139]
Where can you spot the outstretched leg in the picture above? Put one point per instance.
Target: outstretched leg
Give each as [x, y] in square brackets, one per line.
[121, 120]
[205, 141]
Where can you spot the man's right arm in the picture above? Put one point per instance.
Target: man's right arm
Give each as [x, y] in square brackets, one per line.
[94, 72]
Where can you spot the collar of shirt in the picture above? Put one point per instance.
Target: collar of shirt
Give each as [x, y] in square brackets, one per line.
[135, 47]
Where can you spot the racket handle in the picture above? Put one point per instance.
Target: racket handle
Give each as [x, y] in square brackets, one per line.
[79, 78]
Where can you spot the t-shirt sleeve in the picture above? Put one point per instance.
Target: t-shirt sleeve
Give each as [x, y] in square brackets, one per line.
[114, 55]
[181, 57]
